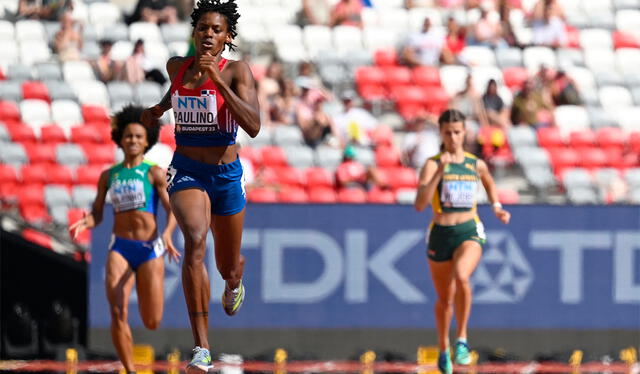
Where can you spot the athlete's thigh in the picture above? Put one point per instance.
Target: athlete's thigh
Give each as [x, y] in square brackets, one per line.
[466, 258]
[192, 209]
[442, 276]
[227, 235]
[150, 287]
[119, 280]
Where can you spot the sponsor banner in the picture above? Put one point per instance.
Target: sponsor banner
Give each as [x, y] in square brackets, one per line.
[341, 266]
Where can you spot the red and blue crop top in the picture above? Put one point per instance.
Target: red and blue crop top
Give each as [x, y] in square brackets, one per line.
[202, 116]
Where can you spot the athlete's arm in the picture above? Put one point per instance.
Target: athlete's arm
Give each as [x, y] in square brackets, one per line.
[156, 111]
[492, 192]
[159, 181]
[94, 218]
[430, 176]
[243, 102]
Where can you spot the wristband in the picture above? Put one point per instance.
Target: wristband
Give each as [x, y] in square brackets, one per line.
[497, 205]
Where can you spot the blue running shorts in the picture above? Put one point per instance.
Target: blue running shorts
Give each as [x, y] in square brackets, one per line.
[137, 252]
[223, 183]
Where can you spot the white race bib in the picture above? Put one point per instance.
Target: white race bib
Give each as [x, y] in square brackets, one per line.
[458, 194]
[127, 195]
[195, 114]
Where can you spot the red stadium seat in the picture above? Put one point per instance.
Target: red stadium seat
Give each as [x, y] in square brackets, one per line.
[385, 57]
[74, 215]
[514, 77]
[562, 158]
[95, 113]
[38, 237]
[60, 174]
[350, 172]
[408, 94]
[380, 196]
[381, 135]
[622, 39]
[250, 154]
[167, 135]
[22, 133]
[508, 196]
[437, 99]
[9, 194]
[35, 213]
[592, 158]
[100, 154]
[322, 195]
[273, 156]
[9, 111]
[634, 141]
[371, 92]
[52, 134]
[8, 174]
[44, 153]
[85, 134]
[290, 194]
[582, 138]
[352, 195]
[88, 174]
[573, 37]
[401, 177]
[262, 195]
[614, 157]
[290, 176]
[35, 173]
[35, 90]
[397, 75]
[409, 111]
[370, 75]
[611, 137]
[387, 156]
[426, 76]
[549, 137]
[319, 177]
[31, 193]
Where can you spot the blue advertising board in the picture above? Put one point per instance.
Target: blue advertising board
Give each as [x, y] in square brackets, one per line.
[347, 266]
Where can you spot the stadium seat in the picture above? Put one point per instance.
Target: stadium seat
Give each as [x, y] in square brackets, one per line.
[629, 118]
[101, 154]
[35, 173]
[437, 99]
[177, 32]
[44, 153]
[104, 13]
[352, 196]
[91, 92]
[66, 113]
[632, 177]
[627, 60]
[426, 76]
[514, 77]
[52, 134]
[634, 142]
[611, 137]
[120, 91]
[262, 195]
[273, 156]
[614, 97]
[35, 214]
[9, 110]
[562, 158]
[453, 78]
[627, 20]
[380, 196]
[7, 30]
[11, 90]
[372, 92]
[478, 56]
[319, 177]
[599, 59]
[379, 37]
[322, 195]
[531, 157]
[317, 38]
[95, 113]
[35, 90]
[370, 75]
[401, 177]
[289, 194]
[60, 90]
[35, 113]
[381, 135]
[595, 38]
[288, 135]
[592, 158]
[83, 196]
[570, 118]
[29, 30]
[8, 174]
[299, 156]
[577, 178]
[56, 196]
[522, 136]
[71, 154]
[13, 154]
[22, 134]
[147, 93]
[147, 31]
[9, 194]
[328, 157]
[85, 134]
[387, 156]
[397, 75]
[88, 174]
[508, 57]
[625, 39]
[534, 57]
[77, 71]
[549, 137]
[347, 38]
[582, 138]
[18, 72]
[540, 177]
[385, 57]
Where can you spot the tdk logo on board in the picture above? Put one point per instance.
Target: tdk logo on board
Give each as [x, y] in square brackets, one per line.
[504, 274]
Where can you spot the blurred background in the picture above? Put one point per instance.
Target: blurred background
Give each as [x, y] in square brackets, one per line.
[350, 92]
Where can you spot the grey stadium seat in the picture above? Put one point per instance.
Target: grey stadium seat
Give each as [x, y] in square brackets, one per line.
[4, 135]
[604, 176]
[83, 196]
[632, 176]
[328, 157]
[11, 90]
[263, 138]
[55, 196]
[90, 50]
[540, 177]
[48, 71]
[601, 118]
[365, 156]
[13, 154]
[522, 136]
[70, 155]
[147, 93]
[635, 93]
[609, 78]
[60, 215]
[532, 157]
[19, 72]
[119, 91]
[333, 74]
[288, 135]
[570, 57]
[582, 196]
[634, 196]
[508, 57]
[178, 32]
[577, 178]
[116, 32]
[60, 90]
[299, 156]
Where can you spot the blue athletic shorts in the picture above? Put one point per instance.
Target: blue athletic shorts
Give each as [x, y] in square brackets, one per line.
[223, 183]
[137, 252]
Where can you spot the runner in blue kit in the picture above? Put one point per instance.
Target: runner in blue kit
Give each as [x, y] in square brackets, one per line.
[135, 186]
[211, 97]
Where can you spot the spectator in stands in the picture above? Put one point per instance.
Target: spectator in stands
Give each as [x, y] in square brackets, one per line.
[354, 123]
[47, 10]
[550, 30]
[469, 102]
[68, 40]
[564, 90]
[553, 6]
[270, 91]
[454, 42]
[543, 83]
[105, 67]
[137, 68]
[346, 13]
[488, 30]
[497, 112]
[316, 125]
[351, 173]
[423, 48]
[531, 108]
[409, 4]
[421, 141]
[314, 12]
[154, 11]
[307, 71]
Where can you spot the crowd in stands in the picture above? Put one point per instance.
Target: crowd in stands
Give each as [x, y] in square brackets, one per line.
[349, 103]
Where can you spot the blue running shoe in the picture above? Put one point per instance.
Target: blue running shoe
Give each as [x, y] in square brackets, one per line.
[201, 361]
[444, 363]
[232, 299]
[462, 353]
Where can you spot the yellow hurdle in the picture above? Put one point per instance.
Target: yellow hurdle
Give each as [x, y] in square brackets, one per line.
[629, 356]
[71, 356]
[280, 361]
[575, 361]
[143, 355]
[173, 359]
[367, 359]
[428, 356]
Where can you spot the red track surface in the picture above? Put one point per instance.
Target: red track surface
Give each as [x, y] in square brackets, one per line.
[334, 366]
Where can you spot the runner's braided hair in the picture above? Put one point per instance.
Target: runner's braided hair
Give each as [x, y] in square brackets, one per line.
[128, 115]
[228, 9]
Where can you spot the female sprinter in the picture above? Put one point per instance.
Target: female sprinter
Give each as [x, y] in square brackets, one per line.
[135, 252]
[210, 96]
[450, 180]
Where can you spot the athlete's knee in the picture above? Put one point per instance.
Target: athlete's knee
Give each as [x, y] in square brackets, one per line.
[151, 322]
[118, 313]
[231, 271]
[462, 279]
[444, 301]
[195, 239]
